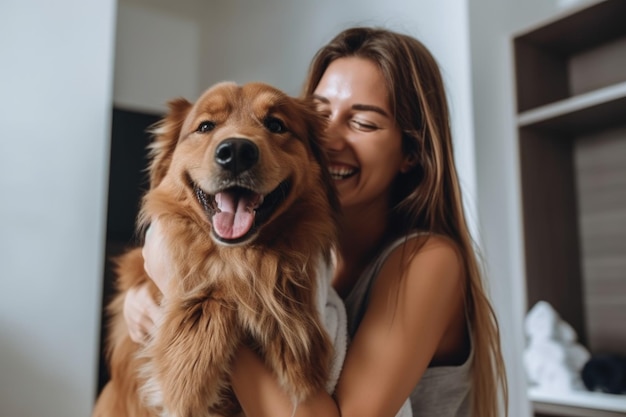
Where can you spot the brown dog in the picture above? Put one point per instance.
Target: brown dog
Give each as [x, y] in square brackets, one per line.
[239, 184]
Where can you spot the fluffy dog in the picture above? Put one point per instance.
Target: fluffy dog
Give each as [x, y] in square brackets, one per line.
[239, 184]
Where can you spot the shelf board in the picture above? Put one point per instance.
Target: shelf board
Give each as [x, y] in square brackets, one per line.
[578, 28]
[577, 400]
[604, 107]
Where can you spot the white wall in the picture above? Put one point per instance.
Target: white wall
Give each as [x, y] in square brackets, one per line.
[492, 24]
[55, 104]
[157, 56]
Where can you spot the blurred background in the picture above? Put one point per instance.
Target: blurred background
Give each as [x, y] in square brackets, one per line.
[80, 80]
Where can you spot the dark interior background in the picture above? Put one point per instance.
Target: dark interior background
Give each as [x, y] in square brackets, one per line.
[128, 180]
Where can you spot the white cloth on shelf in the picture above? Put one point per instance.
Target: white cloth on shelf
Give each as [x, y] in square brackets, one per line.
[543, 322]
[553, 359]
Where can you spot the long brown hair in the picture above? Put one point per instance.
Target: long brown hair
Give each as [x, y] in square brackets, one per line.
[428, 197]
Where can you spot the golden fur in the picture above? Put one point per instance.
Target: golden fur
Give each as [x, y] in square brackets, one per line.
[257, 288]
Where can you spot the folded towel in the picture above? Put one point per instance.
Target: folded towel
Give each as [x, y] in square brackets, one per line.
[545, 351]
[333, 312]
[543, 322]
[552, 359]
[552, 365]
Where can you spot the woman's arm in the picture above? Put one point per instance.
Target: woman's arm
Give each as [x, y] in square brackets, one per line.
[260, 394]
[409, 321]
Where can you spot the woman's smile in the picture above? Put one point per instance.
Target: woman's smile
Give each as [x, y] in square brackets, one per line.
[341, 171]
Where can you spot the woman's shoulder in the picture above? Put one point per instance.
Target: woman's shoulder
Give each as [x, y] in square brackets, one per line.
[424, 261]
[415, 270]
[420, 247]
[418, 256]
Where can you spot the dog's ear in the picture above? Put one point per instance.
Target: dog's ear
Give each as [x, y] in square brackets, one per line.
[166, 133]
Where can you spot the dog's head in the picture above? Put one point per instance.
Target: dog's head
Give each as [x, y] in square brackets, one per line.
[241, 156]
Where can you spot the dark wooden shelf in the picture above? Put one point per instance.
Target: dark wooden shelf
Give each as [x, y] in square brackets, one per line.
[576, 30]
[571, 54]
[599, 109]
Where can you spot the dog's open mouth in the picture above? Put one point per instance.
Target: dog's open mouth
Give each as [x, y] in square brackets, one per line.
[236, 213]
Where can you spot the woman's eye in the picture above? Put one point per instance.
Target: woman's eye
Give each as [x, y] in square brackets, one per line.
[206, 126]
[274, 125]
[368, 127]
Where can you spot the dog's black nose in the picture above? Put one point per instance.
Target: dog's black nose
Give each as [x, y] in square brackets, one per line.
[237, 155]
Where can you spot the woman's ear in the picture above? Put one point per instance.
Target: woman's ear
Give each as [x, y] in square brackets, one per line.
[409, 162]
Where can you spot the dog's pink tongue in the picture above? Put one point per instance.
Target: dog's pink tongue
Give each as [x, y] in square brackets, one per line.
[236, 216]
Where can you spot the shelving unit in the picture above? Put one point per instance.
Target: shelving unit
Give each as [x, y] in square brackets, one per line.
[571, 124]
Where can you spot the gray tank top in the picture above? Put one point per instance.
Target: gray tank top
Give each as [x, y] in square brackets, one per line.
[443, 391]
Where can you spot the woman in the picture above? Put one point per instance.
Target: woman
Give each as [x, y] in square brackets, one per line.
[419, 319]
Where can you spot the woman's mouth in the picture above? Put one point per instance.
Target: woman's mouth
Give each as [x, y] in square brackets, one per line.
[342, 172]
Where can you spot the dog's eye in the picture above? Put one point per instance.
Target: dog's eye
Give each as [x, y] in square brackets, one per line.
[206, 126]
[274, 125]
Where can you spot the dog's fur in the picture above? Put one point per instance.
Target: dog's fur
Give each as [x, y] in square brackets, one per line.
[228, 288]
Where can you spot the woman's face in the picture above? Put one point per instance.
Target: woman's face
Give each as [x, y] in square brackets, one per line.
[364, 141]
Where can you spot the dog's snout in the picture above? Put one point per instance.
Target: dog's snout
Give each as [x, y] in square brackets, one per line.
[237, 155]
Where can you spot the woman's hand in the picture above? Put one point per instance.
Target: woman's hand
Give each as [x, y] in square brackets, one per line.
[141, 312]
[157, 263]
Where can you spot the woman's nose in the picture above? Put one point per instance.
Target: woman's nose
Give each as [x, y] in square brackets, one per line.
[335, 137]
